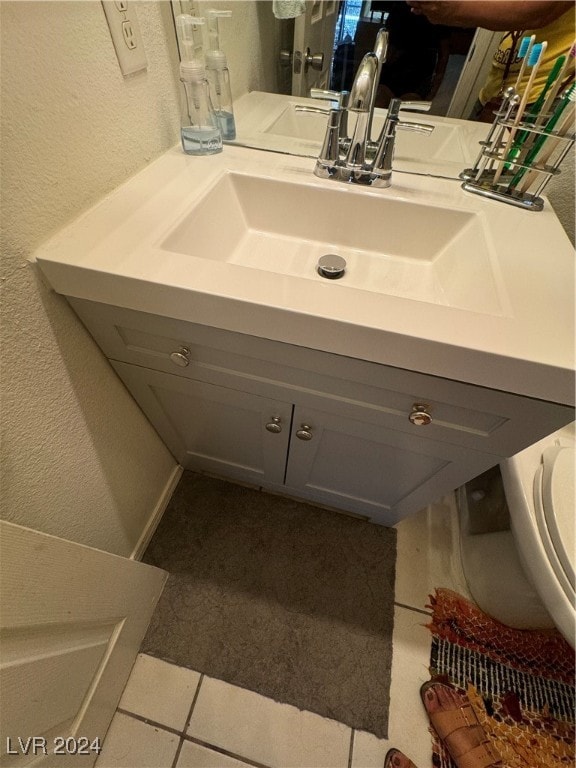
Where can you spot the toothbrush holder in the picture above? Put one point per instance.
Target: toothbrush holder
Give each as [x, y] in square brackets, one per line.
[519, 156]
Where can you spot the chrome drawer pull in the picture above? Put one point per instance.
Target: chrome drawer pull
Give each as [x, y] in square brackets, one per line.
[304, 433]
[275, 425]
[419, 415]
[181, 358]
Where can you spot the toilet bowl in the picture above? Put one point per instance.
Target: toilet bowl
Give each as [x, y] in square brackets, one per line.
[519, 560]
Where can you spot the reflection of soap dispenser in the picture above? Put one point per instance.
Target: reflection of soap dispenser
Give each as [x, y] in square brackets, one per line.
[219, 77]
[189, 29]
[200, 129]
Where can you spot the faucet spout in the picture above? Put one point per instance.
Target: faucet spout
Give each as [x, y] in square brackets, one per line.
[347, 159]
[363, 88]
[381, 45]
[381, 53]
[360, 101]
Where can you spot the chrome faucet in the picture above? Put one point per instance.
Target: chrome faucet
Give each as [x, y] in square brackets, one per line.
[381, 53]
[358, 159]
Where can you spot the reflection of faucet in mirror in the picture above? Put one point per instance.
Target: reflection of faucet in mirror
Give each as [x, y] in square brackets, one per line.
[358, 159]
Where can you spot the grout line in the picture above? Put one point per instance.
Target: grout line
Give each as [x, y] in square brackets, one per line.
[352, 732]
[194, 700]
[187, 723]
[148, 721]
[178, 750]
[222, 751]
[412, 608]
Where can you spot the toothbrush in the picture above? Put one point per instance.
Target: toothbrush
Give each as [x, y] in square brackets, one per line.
[567, 98]
[509, 100]
[534, 60]
[527, 137]
[545, 101]
[567, 109]
[524, 51]
[553, 93]
[553, 144]
[487, 153]
[538, 106]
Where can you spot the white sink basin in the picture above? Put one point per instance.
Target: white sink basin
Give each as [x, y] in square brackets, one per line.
[442, 144]
[395, 247]
[437, 280]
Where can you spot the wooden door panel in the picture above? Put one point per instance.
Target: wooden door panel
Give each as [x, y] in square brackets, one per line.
[314, 32]
[71, 625]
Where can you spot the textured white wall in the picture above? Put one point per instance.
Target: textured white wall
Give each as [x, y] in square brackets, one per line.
[79, 460]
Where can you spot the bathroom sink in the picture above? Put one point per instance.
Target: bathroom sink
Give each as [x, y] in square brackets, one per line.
[437, 280]
[442, 144]
[392, 246]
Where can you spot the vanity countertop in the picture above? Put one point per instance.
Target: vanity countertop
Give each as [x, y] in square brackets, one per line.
[114, 254]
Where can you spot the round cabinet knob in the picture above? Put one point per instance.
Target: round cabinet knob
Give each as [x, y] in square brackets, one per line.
[304, 433]
[275, 425]
[181, 358]
[419, 415]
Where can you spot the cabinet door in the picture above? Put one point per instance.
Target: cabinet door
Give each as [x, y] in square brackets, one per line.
[211, 428]
[362, 466]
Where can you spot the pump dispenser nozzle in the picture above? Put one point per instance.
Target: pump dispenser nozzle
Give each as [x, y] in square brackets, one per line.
[189, 30]
[213, 28]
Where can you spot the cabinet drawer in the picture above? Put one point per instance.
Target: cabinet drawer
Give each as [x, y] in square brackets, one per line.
[461, 414]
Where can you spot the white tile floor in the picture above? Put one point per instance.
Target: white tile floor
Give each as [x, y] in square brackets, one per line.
[171, 717]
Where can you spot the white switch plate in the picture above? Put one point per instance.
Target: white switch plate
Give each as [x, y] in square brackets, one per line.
[125, 31]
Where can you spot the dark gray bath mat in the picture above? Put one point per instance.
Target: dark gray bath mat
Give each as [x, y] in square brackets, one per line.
[280, 597]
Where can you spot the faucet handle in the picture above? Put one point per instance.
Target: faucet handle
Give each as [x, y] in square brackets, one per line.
[416, 106]
[329, 154]
[407, 125]
[340, 97]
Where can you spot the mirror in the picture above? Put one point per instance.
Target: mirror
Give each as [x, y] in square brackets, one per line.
[265, 53]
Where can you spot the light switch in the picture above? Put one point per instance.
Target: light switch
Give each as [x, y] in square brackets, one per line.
[125, 31]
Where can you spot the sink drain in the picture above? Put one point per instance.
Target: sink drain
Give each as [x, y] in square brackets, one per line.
[331, 266]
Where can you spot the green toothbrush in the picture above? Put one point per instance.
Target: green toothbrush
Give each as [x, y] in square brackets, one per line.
[565, 99]
[535, 109]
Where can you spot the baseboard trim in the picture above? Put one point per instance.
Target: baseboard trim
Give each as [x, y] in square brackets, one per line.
[156, 515]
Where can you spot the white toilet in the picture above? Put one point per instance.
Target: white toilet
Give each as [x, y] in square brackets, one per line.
[517, 535]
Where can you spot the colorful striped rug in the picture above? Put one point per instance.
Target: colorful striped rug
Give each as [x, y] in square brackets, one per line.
[520, 683]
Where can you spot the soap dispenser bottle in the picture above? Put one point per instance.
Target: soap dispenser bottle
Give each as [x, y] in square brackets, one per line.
[200, 129]
[219, 77]
[219, 83]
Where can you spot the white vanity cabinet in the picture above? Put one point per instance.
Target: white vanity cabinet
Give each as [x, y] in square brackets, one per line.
[351, 434]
